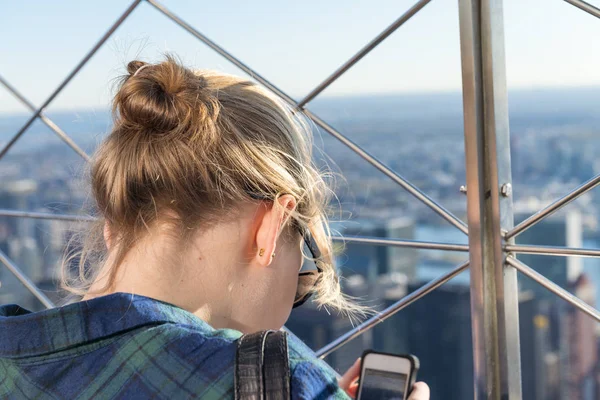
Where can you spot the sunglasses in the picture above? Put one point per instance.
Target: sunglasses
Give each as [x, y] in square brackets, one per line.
[308, 278]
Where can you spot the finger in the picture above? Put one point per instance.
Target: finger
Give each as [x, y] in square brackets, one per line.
[353, 389]
[420, 391]
[350, 375]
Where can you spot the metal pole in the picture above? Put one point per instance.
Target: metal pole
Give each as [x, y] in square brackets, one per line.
[509, 334]
[75, 71]
[363, 52]
[41, 215]
[391, 310]
[494, 293]
[412, 244]
[350, 144]
[552, 208]
[25, 280]
[551, 250]
[554, 288]
[585, 7]
[49, 123]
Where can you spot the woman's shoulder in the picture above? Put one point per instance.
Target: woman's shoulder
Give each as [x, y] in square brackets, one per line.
[299, 352]
[204, 351]
[200, 331]
[312, 378]
[196, 341]
[197, 362]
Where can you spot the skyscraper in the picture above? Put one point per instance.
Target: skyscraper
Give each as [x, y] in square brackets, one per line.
[392, 335]
[539, 361]
[562, 229]
[582, 344]
[372, 261]
[17, 241]
[18, 195]
[439, 333]
[571, 335]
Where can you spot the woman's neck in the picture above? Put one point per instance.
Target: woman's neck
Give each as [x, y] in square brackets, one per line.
[186, 278]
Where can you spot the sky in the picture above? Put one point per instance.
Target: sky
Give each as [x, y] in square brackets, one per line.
[295, 44]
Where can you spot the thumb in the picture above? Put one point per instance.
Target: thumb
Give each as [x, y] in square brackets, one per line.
[350, 376]
[420, 391]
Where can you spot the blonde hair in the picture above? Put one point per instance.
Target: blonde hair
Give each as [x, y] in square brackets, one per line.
[195, 143]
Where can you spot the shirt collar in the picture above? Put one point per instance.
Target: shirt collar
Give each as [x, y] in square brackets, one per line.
[24, 333]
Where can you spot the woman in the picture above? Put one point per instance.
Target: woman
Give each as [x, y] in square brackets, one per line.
[205, 191]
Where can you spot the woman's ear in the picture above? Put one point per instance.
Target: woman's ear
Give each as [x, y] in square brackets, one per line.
[272, 217]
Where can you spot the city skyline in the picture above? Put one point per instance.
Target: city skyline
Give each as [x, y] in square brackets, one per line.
[551, 156]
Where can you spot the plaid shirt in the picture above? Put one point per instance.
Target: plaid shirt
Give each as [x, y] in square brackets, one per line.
[125, 346]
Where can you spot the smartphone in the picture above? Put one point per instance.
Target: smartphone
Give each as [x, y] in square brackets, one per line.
[386, 376]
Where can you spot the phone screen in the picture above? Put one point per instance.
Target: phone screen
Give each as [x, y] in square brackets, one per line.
[382, 385]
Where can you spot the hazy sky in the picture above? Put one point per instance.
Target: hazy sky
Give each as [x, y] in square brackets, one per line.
[295, 44]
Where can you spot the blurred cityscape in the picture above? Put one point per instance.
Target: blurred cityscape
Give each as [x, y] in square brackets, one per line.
[554, 147]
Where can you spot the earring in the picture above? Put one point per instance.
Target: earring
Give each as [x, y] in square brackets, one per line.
[273, 255]
[261, 252]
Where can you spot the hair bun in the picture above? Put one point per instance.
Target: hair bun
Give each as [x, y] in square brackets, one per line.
[164, 98]
[134, 66]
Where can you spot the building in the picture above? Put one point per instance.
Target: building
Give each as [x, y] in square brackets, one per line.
[392, 335]
[371, 261]
[439, 334]
[539, 361]
[582, 345]
[569, 343]
[18, 195]
[17, 241]
[562, 229]
[317, 328]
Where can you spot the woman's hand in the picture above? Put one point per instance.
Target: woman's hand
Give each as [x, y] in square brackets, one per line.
[349, 382]
[420, 392]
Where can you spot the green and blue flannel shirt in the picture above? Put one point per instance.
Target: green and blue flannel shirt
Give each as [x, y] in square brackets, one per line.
[125, 346]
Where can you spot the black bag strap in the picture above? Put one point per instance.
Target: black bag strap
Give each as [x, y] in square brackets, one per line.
[248, 379]
[262, 369]
[276, 367]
